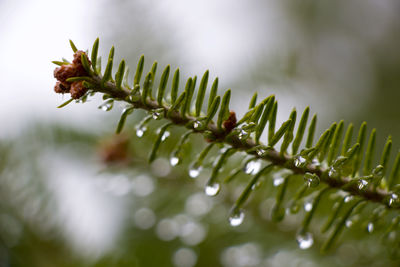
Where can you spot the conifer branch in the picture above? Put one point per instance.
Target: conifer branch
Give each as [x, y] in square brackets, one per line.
[319, 162]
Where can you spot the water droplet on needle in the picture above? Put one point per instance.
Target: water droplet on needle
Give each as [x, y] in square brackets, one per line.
[212, 189]
[140, 131]
[252, 167]
[305, 240]
[311, 179]
[174, 160]
[236, 217]
[195, 170]
[165, 136]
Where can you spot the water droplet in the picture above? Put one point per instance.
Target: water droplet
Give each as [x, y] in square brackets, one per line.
[165, 136]
[157, 114]
[394, 200]
[332, 172]
[252, 167]
[352, 220]
[245, 130]
[106, 106]
[212, 189]
[311, 179]
[197, 125]
[174, 160]
[195, 170]
[295, 207]
[308, 206]
[261, 152]
[278, 181]
[370, 227]
[305, 240]
[347, 199]
[299, 161]
[140, 131]
[362, 184]
[243, 135]
[236, 217]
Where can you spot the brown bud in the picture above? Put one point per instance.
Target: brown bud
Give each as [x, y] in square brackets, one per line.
[77, 57]
[64, 72]
[230, 123]
[61, 88]
[77, 90]
[77, 62]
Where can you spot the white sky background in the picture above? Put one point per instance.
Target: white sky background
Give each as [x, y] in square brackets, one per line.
[33, 33]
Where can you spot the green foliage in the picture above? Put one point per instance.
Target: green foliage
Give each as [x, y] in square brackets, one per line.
[325, 173]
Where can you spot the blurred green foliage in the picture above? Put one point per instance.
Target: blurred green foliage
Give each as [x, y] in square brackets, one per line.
[176, 200]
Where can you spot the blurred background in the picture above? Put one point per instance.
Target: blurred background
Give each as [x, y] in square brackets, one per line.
[73, 194]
